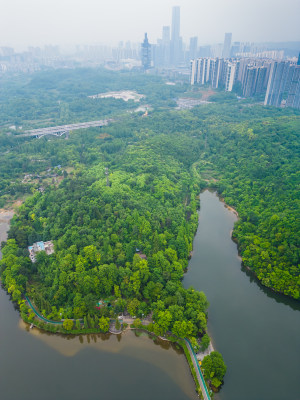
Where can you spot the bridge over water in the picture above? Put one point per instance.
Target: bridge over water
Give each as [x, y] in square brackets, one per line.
[62, 129]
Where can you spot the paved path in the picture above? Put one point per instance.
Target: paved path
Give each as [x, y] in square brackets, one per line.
[40, 316]
[200, 378]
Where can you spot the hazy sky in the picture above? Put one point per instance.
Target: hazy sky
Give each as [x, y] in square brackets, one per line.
[37, 22]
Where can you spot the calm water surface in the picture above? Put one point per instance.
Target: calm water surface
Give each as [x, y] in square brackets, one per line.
[257, 331]
[40, 366]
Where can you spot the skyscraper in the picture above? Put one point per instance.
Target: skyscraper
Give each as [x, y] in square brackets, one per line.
[227, 45]
[166, 35]
[175, 36]
[230, 75]
[166, 46]
[277, 83]
[293, 99]
[146, 53]
[193, 47]
[175, 23]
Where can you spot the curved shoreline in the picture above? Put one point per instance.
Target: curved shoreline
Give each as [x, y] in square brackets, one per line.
[43, 323]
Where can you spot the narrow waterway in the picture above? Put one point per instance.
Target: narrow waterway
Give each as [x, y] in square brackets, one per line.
[5, 217]
[257, 331]
[36, 365]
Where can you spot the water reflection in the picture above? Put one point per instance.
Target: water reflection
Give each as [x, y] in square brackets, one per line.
[257, 336]
[113, 366]
[279, 298]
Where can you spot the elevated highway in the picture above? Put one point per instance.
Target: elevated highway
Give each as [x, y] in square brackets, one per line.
[62, 129]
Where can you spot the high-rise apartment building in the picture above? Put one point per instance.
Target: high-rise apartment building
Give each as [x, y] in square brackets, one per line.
[254, 80]
[293, 99]
[206, 70]
[277, 83]
[278, 80]
[216, 72]
[227, 45]
[200, 71]
[230, 76]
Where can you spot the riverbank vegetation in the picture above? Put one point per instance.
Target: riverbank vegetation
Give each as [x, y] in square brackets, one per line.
[126, 239]
[214, 369]
[123, 213]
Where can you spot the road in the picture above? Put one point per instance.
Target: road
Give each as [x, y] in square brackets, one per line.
[60, 130]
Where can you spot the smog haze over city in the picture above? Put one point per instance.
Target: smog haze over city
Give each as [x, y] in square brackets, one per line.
[36, 22]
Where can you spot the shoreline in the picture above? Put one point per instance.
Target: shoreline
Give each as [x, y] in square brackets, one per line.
[6, 214]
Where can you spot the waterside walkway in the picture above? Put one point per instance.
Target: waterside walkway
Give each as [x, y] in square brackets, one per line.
[200, 378]
[40, 316]
[129, 320]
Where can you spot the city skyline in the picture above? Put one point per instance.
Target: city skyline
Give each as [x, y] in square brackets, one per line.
[72, 22]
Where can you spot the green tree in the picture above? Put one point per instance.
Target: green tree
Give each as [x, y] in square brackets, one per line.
[163, 320]
[104, 324]
[68, 324]
[183, 328]
[214, 367]
[85, 322]
[205, 341]
[132, 306]
[117, 324]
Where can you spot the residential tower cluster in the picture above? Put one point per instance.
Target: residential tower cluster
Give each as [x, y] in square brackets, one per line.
[277, 80]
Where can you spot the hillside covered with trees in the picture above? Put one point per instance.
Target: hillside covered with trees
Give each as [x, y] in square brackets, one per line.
[127, 239]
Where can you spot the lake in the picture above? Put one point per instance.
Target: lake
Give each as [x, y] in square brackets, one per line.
[256, 330]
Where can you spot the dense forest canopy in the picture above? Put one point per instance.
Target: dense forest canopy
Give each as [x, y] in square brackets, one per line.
[59, 97]
[147, 204]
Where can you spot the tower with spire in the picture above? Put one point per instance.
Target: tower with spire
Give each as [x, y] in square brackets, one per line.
[146, 53]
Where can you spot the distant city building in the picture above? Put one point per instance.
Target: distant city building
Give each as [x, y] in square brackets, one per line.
[176, 43]
[37, 247]
[217, 50]
[227, 45]
[204, 51]
[162, 51]
[193, 47]
[166, 46]
[146, 53]
[235, 49]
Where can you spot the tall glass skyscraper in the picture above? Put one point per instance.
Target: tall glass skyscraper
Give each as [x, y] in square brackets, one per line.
[175, 36]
